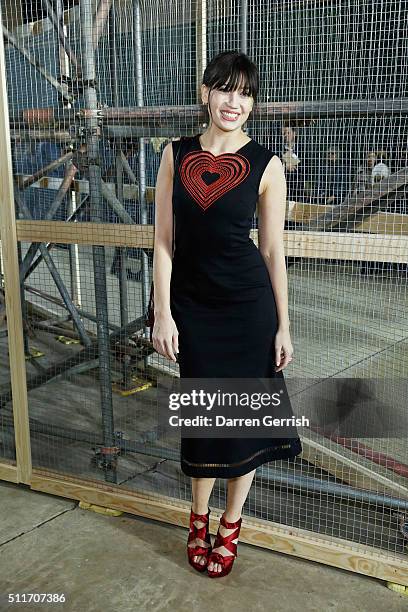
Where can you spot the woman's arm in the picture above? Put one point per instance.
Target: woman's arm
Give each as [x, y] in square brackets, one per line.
[271, 223]
[164, 337]
[163, 233]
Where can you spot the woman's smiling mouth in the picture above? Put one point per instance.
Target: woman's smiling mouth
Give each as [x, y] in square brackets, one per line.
[229, 116]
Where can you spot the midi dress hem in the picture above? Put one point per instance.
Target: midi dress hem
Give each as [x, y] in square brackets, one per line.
[288, 450]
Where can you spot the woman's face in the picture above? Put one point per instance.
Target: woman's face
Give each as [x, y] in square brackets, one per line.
[229, 109]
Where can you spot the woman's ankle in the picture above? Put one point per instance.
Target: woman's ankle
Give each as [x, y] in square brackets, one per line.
[197, 509]
[232, 517]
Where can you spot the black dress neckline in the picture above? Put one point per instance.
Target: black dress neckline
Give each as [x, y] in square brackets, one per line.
[228, 153]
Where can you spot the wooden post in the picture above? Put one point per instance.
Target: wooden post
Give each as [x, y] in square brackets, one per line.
[201, 45]
[12, 285]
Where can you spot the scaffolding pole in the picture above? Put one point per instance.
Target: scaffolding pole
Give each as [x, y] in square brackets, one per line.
[137, 29]
[95, 197]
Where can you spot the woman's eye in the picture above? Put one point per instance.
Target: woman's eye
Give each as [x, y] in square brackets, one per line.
[241, 93]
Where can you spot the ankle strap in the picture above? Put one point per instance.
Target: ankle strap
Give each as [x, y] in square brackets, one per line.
[229, 525]
[227, 541]
[198, 517]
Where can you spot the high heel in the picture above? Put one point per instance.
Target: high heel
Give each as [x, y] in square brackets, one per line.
[227, 561]
[203, 534]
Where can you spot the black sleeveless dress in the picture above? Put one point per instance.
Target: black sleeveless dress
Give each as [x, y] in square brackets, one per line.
[221, 296]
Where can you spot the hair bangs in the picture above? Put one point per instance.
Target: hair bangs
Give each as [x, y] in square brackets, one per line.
[232, 70]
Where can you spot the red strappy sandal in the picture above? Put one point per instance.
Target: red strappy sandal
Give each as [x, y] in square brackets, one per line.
[227, 541]
[203, 534]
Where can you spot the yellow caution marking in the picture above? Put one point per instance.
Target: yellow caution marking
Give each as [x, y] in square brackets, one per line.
[99, 509]
[398, 588]
[139, 385]
[34, 353]
[66, 340]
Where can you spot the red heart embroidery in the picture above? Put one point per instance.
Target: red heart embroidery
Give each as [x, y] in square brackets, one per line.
[231, 168]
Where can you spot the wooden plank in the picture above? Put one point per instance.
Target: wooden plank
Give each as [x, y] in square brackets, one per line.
[348, 467]
[8, 471]
[378, 223]
[355, 208]
[293, 541]
[350, 246]
[385, 223]
[8, 234]
[107, 234]
[298, 212]
[302, 212]
[353, 246]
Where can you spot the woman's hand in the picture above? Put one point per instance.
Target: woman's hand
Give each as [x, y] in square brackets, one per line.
[165, 336]
[283, 349]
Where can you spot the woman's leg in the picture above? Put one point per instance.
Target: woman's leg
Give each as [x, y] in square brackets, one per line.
[201, 488]
[238, 489]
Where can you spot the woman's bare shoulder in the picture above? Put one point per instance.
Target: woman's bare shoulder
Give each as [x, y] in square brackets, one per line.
[169, 144]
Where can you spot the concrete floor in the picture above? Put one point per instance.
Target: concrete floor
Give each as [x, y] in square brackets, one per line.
[48, 544]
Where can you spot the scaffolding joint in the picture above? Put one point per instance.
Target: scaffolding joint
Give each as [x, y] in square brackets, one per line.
[88, 113]
[106, 457]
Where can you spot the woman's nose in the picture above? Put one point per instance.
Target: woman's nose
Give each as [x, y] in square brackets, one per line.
[233, 99]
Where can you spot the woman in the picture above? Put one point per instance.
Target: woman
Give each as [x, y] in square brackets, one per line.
[221, 303]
